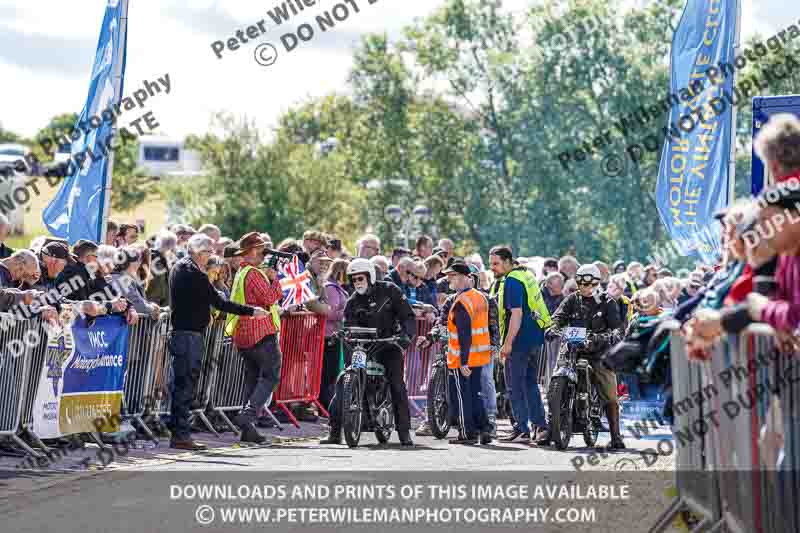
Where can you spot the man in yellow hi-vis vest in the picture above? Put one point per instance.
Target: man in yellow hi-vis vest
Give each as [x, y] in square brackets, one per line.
[523, 318]
[469, 352]
[256, 338]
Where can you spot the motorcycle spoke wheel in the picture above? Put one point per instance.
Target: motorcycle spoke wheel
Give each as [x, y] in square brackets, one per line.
[437, 403]
[352, 410]
[561, 412]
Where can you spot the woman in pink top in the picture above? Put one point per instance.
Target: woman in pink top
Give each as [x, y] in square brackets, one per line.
[335, 279]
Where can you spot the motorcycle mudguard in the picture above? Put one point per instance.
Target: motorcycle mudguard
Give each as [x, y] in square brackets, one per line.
[567, 372]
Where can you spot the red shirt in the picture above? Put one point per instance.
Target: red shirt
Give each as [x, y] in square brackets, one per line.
[258, 293]
[741, 287]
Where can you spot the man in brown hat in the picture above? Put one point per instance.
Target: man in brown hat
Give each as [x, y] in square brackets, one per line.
[256, 337]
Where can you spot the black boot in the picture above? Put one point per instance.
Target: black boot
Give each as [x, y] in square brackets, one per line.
[405, 438]
[335, 435]
[543, 436]
[251, 434]
[612, 411]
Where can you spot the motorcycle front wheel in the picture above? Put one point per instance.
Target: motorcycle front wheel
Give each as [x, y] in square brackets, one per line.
[560, 412]
[351, 409]
[592, 427]
[385, 417]
[437, 402]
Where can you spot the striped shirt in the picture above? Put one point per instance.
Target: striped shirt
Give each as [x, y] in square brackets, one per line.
[258, 293]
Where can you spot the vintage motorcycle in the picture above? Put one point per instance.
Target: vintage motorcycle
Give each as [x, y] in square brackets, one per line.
[572, 397]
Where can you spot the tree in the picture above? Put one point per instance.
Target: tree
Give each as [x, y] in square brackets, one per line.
[7, 136]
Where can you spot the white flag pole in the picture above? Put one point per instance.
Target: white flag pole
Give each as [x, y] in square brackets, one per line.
[117, 83]
[732, 162]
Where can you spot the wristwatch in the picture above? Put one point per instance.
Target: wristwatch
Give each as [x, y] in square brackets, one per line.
[109, 308]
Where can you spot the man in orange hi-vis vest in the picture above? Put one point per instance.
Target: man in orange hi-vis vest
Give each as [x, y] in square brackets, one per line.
[468, 354]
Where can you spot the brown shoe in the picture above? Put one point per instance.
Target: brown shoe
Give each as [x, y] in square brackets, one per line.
[187, 444]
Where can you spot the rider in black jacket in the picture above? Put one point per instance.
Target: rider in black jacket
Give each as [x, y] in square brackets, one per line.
[381, 305]
[591, 308]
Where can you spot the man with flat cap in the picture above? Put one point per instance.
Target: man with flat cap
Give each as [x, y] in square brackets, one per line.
[256, 337]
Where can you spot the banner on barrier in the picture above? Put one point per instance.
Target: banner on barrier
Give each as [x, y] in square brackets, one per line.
[82, 378]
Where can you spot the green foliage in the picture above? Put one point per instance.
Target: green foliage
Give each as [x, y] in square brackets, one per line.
[7, 136]
[482, 149]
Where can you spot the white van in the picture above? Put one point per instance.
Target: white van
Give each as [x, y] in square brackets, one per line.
[164, 157]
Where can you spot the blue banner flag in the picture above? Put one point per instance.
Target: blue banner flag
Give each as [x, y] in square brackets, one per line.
[77, 210]
[693, 177]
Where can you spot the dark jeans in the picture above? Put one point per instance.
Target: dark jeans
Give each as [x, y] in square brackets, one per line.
[526, 401]
[330, 370]
[187, 348]
[262, 371]
[467, 404]
[392, 360]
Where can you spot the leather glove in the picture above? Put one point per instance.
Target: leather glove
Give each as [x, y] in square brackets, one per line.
[404, 342]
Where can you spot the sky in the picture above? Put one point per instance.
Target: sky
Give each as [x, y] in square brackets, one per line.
[47, 49]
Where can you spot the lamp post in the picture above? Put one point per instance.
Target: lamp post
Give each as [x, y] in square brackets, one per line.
[400, 219]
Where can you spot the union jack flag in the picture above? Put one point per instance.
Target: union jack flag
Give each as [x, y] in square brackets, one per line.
[295, 282]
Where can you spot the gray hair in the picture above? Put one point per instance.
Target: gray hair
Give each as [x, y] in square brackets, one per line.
[618, 280]
[553, 275]
[208, 229]
[381, 262]
[779, 141]
[24, 258]
[107, 255]
[406, 263]
[166, 240]
[199, 242]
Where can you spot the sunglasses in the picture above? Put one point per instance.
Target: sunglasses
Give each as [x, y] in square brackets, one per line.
[586, 279]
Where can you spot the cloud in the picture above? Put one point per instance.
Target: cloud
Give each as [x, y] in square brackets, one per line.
[47, 54]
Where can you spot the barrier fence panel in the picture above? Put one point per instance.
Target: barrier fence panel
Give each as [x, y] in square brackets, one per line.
[208, 373]
[38, 358]
[21, 360]
[302, 339]
[159, 390]
[228, 391]
[693, 454]
[143, 344]
[417, 368]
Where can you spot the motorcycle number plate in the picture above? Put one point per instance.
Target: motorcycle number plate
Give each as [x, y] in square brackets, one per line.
[359, 359]
[575, 334]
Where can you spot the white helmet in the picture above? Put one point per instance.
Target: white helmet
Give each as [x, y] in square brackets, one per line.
[362, 266]
[588, 270]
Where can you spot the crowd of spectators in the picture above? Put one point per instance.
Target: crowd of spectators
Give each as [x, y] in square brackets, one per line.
[757, 278]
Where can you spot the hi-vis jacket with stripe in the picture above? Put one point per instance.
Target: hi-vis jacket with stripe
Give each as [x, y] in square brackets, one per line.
[478, 345]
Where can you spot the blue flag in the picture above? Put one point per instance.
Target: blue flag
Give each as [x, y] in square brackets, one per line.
[693, 180]
[77, 210]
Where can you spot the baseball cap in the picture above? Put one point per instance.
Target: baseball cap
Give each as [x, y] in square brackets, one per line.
[459, 267]
[59, 250]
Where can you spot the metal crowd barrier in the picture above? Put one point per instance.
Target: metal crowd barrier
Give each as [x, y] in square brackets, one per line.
[22, 357]
[146, 347]
[228, 393]
[208, 374]
[302, 340]
[417, 368]
[547, 363]
[738, 468]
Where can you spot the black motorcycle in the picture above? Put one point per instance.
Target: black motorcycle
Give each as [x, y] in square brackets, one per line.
[572, 398]
[366, 403]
